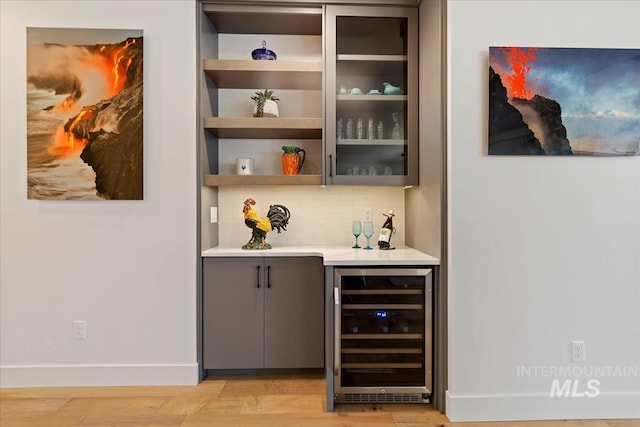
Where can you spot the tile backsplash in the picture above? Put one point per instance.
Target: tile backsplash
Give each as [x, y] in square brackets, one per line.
[319, 216]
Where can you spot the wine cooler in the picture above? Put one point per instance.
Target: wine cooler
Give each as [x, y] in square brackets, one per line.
[383, 335]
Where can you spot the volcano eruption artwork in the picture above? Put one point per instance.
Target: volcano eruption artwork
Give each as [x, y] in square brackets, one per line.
[564, 101]
[84, 114]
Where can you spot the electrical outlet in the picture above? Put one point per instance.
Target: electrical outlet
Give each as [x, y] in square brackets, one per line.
[577, 351]
[79, 329]
[367, 214]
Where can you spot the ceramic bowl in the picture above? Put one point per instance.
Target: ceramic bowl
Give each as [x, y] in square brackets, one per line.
[264, 54]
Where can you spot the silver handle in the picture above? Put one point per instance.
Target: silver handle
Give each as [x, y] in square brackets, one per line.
[337, 345]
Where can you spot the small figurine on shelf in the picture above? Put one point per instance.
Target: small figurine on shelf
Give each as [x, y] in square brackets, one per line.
[390, 89]
[277, 218]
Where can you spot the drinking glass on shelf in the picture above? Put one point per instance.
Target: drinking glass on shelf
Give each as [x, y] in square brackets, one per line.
[349, 130]
[395, 132]
[368, 232]
[340, 129]
[356, 229]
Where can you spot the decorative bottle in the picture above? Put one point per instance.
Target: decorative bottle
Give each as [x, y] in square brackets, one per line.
[384, 239]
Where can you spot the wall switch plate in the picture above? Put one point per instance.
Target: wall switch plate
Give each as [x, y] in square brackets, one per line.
[79, 329]
[367, 214]
[214, 214]
[577, 351]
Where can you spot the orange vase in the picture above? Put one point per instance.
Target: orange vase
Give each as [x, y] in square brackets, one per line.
[292, 160]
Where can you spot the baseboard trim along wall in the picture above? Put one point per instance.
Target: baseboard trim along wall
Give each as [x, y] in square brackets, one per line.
[519, 407]
[98, 375]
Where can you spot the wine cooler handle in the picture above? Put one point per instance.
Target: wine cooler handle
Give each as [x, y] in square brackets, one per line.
[337, 344]
[258, 277]
[268, 276]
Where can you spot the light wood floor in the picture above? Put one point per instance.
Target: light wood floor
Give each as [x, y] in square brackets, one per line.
[240, 401]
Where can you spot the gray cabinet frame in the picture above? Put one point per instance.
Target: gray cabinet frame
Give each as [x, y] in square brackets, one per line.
[331, 88]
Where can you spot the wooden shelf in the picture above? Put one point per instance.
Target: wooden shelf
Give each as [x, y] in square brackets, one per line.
[229, 180]
[240, 19]
[250, 74]
[265, 127]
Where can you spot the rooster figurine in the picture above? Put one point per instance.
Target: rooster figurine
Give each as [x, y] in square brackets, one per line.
[277, 218]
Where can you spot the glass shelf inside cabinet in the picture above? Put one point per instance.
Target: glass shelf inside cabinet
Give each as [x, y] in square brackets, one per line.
[371, 100]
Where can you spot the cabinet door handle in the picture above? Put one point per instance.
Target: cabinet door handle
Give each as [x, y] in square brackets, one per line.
[258, 277]
[330, 165]
[268, 276]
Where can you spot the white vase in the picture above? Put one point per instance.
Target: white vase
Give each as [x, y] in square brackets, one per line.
[270, 109]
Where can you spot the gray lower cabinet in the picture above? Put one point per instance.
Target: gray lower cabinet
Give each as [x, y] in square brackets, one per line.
[263, 313]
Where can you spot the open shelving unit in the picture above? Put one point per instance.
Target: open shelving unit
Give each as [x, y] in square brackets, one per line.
[288, 72]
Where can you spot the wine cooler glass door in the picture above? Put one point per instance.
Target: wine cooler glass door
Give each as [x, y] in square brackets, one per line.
[383, 331]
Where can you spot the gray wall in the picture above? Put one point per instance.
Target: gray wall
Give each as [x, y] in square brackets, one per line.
[126, 267]
[543, 251]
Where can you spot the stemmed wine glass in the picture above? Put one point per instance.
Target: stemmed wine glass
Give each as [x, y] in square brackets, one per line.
[368, 232]
[356, 229]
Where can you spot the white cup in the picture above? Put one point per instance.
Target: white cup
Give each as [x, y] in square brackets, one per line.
[244, 166]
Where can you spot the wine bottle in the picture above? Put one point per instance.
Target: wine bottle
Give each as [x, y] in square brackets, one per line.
[384, 239]
[352, 325]
[403, 326]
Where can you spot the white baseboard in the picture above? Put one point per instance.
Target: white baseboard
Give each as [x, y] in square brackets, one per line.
[515, 407]
[98, 375]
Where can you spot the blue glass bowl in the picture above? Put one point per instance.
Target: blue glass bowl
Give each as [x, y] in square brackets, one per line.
[264, 54]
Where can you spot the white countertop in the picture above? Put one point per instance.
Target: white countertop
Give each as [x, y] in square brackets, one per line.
[334, 255]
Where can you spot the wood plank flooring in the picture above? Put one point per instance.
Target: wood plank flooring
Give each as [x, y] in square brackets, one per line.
[238, 401]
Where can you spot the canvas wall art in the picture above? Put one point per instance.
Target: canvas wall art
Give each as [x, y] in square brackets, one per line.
[564, 101]
[84, 114]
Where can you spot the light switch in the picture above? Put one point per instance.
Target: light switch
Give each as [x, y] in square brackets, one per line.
[214, 214]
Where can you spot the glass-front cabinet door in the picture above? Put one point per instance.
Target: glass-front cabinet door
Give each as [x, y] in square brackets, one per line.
[371, 95]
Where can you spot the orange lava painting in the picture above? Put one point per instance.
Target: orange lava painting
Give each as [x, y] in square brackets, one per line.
[84, 114]
[564, 101]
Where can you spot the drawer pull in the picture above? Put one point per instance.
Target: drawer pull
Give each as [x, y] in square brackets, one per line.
[268, 276]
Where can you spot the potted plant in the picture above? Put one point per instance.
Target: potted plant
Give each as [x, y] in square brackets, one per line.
[266, 104]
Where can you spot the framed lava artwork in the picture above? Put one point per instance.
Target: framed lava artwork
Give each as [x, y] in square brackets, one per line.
[84, 114]
[564, 101]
